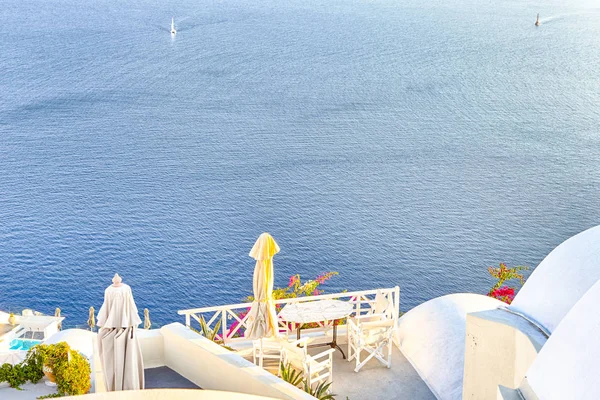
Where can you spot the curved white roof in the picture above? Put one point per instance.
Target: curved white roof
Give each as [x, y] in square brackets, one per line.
[432, 338]
[567, 366]
[78, 339]
[561, 279]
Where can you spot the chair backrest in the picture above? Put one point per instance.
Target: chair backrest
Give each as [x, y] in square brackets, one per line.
[383, 305]
[295, 355]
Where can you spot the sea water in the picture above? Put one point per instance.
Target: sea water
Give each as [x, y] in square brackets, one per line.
[411, 143]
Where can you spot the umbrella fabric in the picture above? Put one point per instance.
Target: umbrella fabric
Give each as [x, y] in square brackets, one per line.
[117, 340]
[12, 357]
[262, 317]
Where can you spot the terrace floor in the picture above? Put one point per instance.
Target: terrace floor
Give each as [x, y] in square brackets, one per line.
[166, 378]
[29, 392]
[375, 381]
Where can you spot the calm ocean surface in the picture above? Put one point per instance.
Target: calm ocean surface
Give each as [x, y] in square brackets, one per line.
[409, 143]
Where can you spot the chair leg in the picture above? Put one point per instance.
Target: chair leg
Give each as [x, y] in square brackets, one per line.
[349, 352]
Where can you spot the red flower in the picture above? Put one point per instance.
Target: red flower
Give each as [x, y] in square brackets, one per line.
[504, 293]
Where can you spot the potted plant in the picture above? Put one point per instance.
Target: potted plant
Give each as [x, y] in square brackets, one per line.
[68, 369]
[53, 356]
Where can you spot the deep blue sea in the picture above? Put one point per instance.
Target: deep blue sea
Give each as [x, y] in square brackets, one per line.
[409, 143]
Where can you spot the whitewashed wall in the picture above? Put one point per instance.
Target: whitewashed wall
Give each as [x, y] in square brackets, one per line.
[561, 279]
[432, 337]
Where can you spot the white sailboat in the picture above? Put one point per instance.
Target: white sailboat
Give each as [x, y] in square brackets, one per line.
[537, 21]
[173, 31]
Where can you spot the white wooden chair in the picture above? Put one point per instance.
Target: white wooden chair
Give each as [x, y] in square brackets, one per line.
[316, 369]
[269, 349]
[373, 333]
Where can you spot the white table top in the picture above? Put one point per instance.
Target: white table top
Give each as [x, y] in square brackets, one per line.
[316, 311]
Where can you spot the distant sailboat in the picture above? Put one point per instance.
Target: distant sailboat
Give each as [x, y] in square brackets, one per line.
[173, 31]
[537, 21]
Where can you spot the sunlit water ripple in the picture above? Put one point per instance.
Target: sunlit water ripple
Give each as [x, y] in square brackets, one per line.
[399, 143]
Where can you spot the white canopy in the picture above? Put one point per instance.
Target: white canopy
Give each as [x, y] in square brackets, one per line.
[119, 309]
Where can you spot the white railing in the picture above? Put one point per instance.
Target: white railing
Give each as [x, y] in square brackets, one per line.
[237, 314]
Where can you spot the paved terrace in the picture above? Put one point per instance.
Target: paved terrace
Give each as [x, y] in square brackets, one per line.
[373, 381]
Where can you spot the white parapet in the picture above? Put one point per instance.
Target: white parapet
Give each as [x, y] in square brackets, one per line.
[500, 347]
[211, 366]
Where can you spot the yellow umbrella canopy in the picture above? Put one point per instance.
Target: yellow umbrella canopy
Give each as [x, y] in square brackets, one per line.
[262, 318]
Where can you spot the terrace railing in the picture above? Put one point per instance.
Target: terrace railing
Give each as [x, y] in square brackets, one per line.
[233, 317]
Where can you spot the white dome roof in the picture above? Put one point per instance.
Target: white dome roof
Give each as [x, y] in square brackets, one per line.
[561, 279]
[78, 339]
[432, 338]
[567, 366]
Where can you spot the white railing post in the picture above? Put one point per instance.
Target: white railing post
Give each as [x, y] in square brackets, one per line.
[224, 326]
[397, 303]
[187, 320]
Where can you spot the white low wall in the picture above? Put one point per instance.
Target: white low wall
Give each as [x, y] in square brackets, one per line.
[152, 346]
[213, 367]
[500, 347]
[203, 362]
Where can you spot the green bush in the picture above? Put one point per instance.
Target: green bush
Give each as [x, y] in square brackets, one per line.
[72, 370]
[13, 374]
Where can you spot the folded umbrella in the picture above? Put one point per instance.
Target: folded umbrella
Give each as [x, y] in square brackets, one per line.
[120, 352]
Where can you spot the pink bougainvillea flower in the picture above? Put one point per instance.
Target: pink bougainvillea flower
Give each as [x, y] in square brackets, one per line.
[293, 280]
[504, 293]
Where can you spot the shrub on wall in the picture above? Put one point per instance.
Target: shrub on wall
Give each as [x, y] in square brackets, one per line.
[72, 370]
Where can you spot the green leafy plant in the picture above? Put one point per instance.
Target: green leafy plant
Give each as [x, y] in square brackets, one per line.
[210, 334]
[33, 364]
[321, 391]
[73, 377]
[50, 396]
[296, 378]
[291, 375]
[71, 369]
[13, 374]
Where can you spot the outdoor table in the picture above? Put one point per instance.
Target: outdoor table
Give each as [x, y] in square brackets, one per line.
[317, 311]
